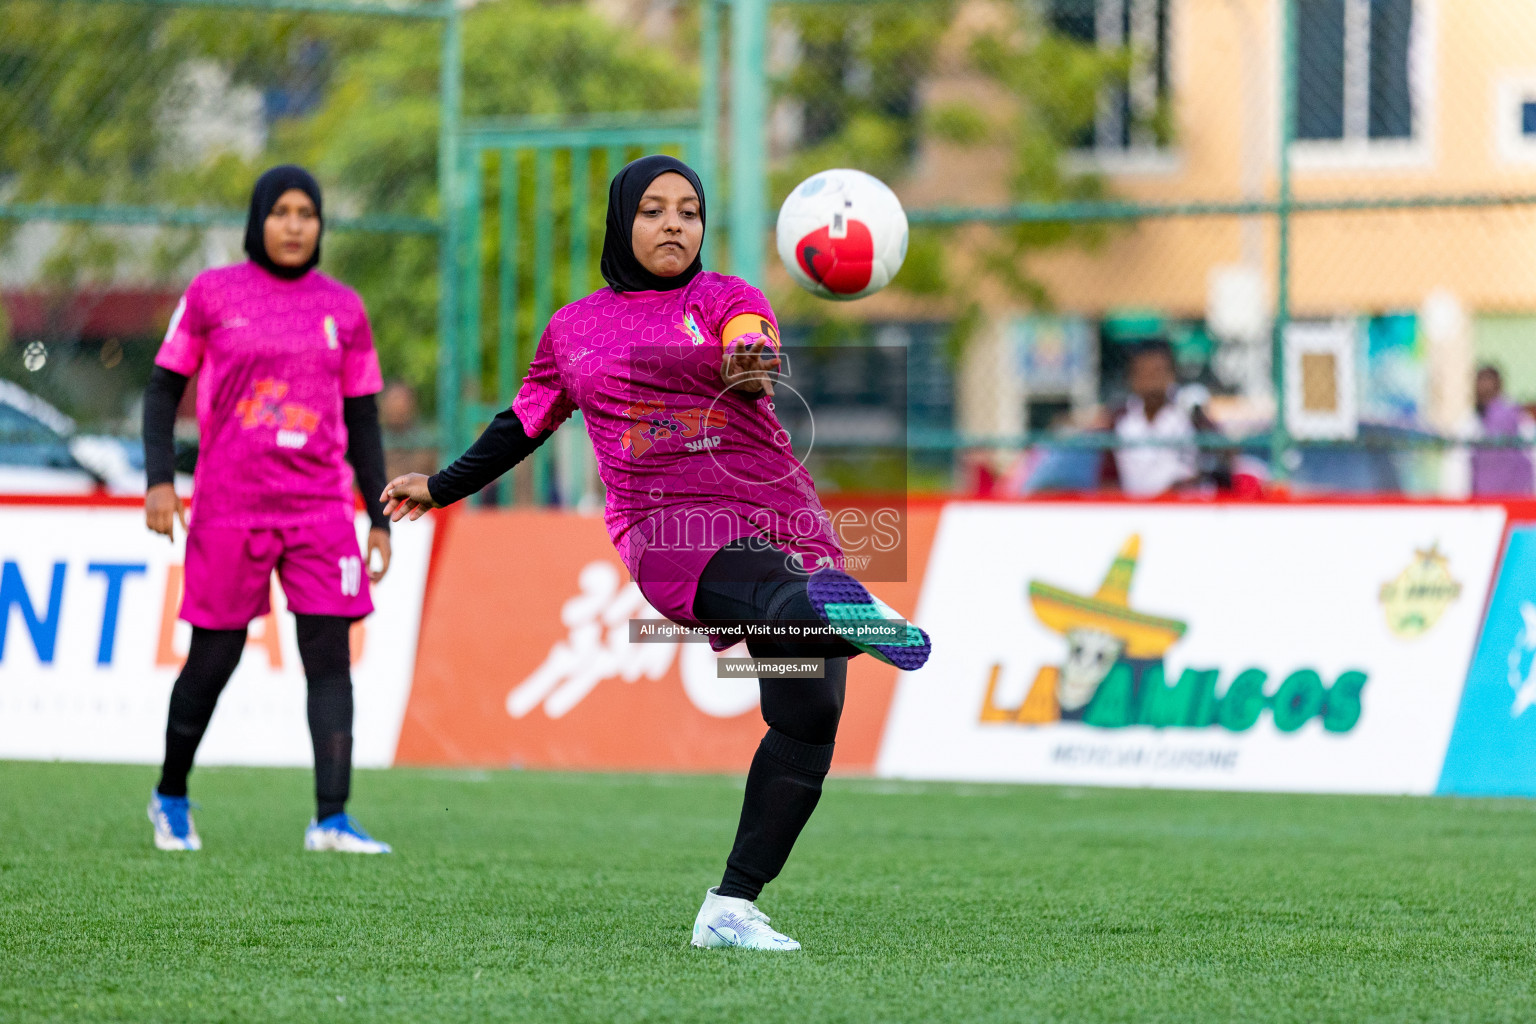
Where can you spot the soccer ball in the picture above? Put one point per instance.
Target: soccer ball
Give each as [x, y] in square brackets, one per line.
[842, 234]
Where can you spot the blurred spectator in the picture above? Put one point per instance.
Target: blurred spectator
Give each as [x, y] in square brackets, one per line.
[397, 407]
[406, 448]
[1160, 412]
[1503, 471]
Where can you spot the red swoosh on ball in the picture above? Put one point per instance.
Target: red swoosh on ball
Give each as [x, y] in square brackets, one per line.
[842, 265]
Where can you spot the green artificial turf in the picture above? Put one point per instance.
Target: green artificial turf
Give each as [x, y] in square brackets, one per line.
[543, 897]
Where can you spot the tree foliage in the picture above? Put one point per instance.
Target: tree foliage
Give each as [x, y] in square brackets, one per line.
[89, 94]
[89, 91]
[378, 133]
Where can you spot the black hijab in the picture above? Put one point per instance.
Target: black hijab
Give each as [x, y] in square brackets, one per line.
[622, 271]
[269, 188]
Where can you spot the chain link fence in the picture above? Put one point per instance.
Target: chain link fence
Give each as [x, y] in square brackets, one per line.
[131, 132]
[1095, 184]
[1095, 187]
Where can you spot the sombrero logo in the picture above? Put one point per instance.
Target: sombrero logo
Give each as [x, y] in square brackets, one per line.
[1114, 674]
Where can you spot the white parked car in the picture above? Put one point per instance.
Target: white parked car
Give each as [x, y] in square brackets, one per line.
[41, 453]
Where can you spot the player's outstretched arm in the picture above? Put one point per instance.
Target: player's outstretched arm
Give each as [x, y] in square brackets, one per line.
[407, 495]
[503, 445]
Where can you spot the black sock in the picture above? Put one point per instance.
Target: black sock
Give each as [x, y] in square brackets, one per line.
[211, 660]
[333, 767]
[783, 787]
[743, 585]
[327, 657]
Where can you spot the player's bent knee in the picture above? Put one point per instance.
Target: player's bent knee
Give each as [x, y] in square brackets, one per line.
[809, 714]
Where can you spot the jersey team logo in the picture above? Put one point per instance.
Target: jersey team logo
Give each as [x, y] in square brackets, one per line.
[266, 408]
[331, 339]
[654, 423]
[691, 328]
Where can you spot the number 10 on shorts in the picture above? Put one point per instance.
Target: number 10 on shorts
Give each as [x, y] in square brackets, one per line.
[351, 575]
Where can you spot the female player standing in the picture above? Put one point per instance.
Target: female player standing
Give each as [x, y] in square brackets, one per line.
[707, 505]
[285, 401]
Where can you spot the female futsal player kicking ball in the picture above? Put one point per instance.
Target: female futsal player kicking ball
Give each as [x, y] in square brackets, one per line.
[284, 402]
[710, 511]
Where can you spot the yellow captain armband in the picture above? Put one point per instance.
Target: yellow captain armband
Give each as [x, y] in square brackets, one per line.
[749, 323]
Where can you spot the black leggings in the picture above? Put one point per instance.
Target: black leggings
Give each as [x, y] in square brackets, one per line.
[211, 660]
[759, 585]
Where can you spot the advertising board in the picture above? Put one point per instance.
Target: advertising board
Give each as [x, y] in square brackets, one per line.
[526, 660]
[90, 646]
[1232, 647]
[1493, 746]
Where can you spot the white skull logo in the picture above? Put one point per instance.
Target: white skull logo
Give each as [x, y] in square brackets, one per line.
[1091, 653]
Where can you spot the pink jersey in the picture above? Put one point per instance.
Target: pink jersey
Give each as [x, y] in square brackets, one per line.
[689, 465]
[275, 358]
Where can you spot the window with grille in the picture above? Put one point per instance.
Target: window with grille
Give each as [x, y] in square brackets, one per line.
[1355, 75]
[1128, 113]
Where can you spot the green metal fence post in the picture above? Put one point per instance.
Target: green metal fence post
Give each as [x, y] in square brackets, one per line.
[508, 366]
[581, 185]
[543, 239]
[611, 137]
[451, 89]
[709, 101]
[543, 281]
[1279, 441]
[471, 267]
[749, 150]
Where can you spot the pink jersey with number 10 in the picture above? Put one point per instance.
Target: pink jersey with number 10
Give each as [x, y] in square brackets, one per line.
[275, 358]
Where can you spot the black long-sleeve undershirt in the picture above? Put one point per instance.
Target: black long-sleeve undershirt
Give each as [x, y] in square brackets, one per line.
[365, 441]
[161, 398]
[365, 450]
[503, 445]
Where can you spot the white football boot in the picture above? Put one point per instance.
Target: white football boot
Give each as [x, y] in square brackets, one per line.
[340, 834]
[172, 818]
[725, 921]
